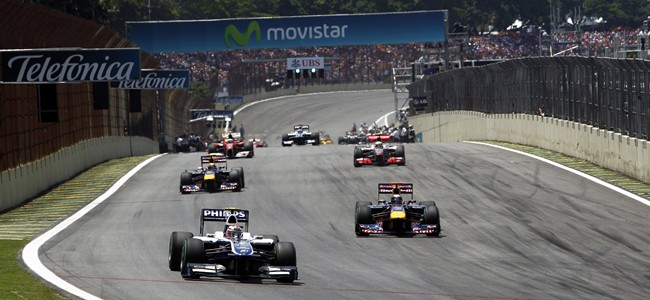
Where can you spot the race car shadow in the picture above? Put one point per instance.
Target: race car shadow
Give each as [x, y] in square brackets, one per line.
[400, 236]
[264, 281]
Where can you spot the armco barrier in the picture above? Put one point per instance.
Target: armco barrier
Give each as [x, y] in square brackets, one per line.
[624, 154]
[27, 181]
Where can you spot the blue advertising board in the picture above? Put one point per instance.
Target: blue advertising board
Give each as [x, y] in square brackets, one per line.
[52, 65]
[157, 79]
[289, 32]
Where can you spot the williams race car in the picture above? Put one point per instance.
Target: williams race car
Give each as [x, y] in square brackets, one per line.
[379, 154]
[396, 216]
[213, 175]
[232, 147]
[232, 252]
[300, 136]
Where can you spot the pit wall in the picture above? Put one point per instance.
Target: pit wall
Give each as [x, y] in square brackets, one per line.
[28, 181]
[624, 154]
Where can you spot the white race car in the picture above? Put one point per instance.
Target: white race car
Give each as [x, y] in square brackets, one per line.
[232, 252]
[301, 136]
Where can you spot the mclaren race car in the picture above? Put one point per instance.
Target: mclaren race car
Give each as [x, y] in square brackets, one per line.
[300, 136]
[379, 154]
[231, 252]
[378, 137]
[397, 215]
[232, 147]
[213, 175]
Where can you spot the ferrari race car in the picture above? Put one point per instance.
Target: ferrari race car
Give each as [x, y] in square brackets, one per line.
[352, 138]
[300, 136]
[396, 216]
[379, 154]
[258, 142]
[213, 175]
[232, 252]
[232, 147]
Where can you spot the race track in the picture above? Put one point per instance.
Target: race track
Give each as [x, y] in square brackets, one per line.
[513, 227]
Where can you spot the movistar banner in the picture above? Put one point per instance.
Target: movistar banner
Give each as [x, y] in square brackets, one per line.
[50, 65]
[289, 32]
[157, 79]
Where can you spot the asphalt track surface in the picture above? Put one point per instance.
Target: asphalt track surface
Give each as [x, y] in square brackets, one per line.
[513, 227]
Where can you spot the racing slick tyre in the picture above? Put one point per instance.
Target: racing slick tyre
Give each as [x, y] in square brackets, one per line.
[340, 140]
[432, 217]
[285, 137]
[316, 139]
[186, 179]
[212, 148]
[235, 176]
[399, 152]
[285, 255]
[241, 173]
[358, 153]
[427, 203]
[250, 148]
[176, 241]
[192, 253]
[362, 215]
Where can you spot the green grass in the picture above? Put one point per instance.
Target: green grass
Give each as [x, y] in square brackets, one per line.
[15, 281]
[17, 227]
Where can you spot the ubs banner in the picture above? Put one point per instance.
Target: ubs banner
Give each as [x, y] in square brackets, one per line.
[289, 32]
[157, 79]
[69, 65]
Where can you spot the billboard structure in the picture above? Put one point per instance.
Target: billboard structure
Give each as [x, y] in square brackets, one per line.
[289, 32]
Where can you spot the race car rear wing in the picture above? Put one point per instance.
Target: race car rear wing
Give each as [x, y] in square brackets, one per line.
[224, 215]
[234, 135]
[303, 127]
[394, 188]
[206, 159]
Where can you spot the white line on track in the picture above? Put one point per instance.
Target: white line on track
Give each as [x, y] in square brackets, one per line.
[584, 175]
[30, 252]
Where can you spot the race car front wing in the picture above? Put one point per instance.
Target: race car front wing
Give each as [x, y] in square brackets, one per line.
[216, 270]
[416, 229]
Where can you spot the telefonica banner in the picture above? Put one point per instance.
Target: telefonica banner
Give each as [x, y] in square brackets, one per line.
[289, 32]
[157, 79]
[69, 65]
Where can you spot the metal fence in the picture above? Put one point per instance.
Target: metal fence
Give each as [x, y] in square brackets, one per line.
[611, 94]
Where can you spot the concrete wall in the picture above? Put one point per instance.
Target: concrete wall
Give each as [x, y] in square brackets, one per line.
[29, 180]
[306, 89]
[629, 156]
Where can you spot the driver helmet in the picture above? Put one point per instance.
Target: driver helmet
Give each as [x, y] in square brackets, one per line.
[234, 231]
[229, 141]
[396, 199]
[379, 144]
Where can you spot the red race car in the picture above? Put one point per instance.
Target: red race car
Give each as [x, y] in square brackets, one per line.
[379, 154]
[381, 137]
[232, 147]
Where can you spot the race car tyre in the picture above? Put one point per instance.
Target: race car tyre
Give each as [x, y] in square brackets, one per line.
[362, 215]
[431, 217]
[399, 152]
[285, 137]
[192, 253]
[212, 148]
[211, 186]
[176, 242]
[241, 173]
[235, 176]
[274, 237]
[285, 255]
[358, 153]
[316, 139]
[249, 147]
[428, 203]
[186, 179]
[340, 140]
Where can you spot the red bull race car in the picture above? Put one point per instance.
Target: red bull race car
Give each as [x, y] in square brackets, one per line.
[232, 147]
[212, 176]
[379, 154]
[397, 215]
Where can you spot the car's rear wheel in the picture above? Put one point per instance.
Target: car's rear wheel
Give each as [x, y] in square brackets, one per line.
[212, 148]
[285, 256]
[241, 174]
[285, 138]
[176, 242]
[358, 153]
[316, 139]
[399, 152]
